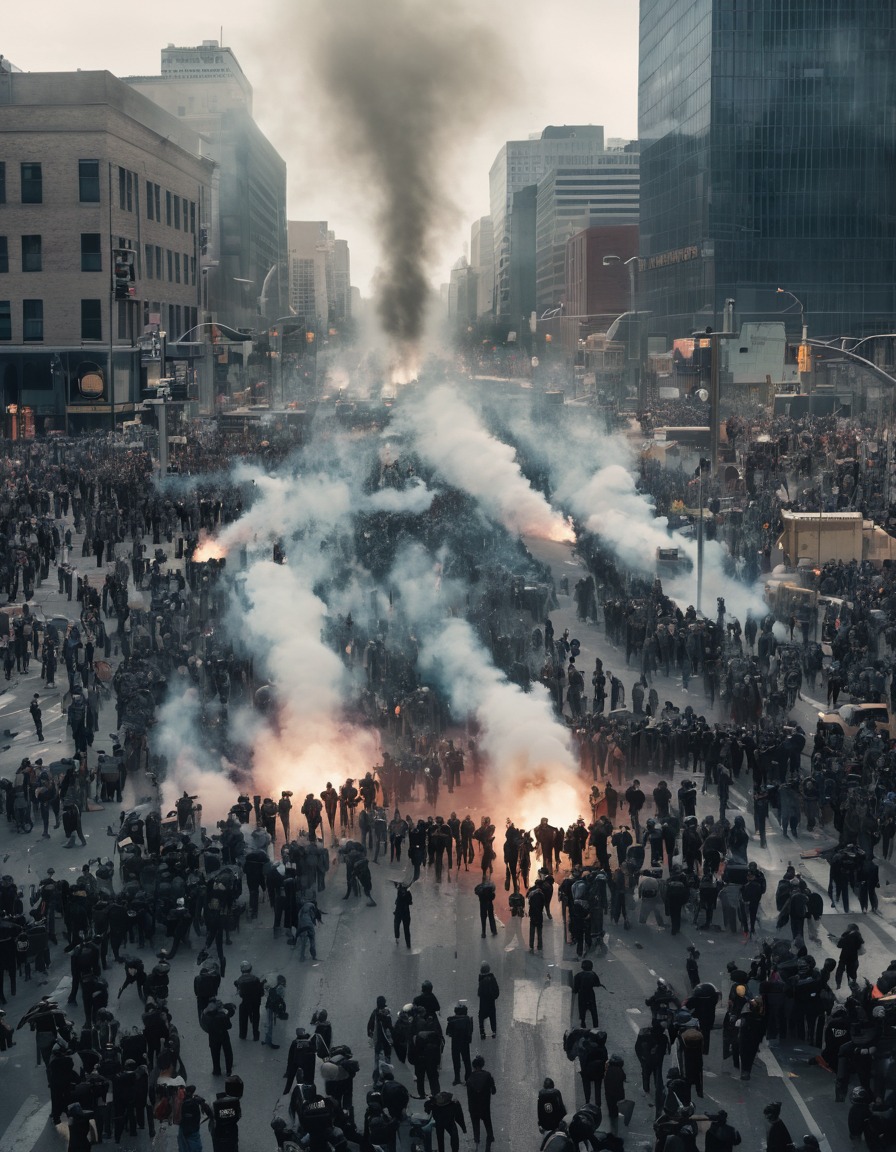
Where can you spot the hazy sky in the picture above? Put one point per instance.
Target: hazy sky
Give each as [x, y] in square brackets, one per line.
[567, 61]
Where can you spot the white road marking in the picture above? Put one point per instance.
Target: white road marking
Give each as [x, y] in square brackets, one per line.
[770, 1061]
[26, 1126]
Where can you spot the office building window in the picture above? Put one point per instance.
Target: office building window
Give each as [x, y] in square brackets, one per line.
[91, 320]
[168, 209]
[122, 188]
[193, 217]
[4, 255]
[32, 319]
[5, 320]
[150, 202]
[177, 328]
[157, 195]
[123, 333]
[31, 254]
[170, 255]
[192, 270]
[177, 267]
[89, 181]
[177, 212]
[2, 181]
[149, 257]
[129, 180]
[158, 262]
[32, 184]
[91, 254]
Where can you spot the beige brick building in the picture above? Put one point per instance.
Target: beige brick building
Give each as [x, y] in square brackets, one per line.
[89, 167]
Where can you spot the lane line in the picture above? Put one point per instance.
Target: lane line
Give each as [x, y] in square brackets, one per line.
[773, 1068]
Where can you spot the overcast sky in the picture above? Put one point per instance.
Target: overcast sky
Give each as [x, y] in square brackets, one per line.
[572, 61]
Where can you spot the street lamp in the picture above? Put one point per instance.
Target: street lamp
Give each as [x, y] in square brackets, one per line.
[632, 370]
[804, 364]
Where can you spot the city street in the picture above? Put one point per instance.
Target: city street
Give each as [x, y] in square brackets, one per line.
[359, 960]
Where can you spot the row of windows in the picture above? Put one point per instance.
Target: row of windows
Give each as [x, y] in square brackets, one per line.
[175, 262]
[180, 319]
[181, 267]
[180, 212]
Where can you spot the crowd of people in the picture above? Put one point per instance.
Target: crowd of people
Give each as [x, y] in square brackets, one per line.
[180, 886]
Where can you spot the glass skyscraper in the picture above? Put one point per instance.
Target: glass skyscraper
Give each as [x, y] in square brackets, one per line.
[768, 159]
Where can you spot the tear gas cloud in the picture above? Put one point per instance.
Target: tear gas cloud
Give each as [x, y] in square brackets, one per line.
[451, 438]
[405, 82]
[531, 771]
[281, 622]
[592, 478]
[531, 768]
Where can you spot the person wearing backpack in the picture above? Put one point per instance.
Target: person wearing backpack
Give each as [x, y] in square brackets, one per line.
[379, 1030]
[275, 1007]
[488, 993]
[187, 1113]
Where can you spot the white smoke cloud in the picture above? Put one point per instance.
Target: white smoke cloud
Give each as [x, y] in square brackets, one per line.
[451, 438]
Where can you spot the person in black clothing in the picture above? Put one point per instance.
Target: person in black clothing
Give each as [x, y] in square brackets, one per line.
[206, 985]
[488, 993]
[250, 989]
[486, 893]
[447, 1115]
[459, 1030]
[583, 988]
[402, 917]
[535, 897]
[36, 715]
[480, 1089]
[551, 1108]
[216, 1023]
[427, 999]
[224, 1123]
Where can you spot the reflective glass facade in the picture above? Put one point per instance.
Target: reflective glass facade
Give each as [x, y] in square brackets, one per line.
[768, 159]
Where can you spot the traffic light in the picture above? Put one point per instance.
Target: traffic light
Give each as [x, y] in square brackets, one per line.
[123, 273]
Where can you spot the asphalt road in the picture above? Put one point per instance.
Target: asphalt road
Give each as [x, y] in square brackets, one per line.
[359, 960]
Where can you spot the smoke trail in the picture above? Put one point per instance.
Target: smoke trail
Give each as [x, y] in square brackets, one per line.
[449, 435]
[407, 80]
[531, 771]
[592, 477]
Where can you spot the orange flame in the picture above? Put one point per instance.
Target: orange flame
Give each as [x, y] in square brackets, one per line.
[209, 549]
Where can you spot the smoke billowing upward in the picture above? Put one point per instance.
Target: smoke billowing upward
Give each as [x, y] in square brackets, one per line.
[407, 80]
[450, 437]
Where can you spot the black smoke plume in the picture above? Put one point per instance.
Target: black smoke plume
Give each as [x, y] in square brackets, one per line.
[407, 80]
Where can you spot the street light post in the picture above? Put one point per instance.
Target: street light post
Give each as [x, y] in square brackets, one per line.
[633, 366]
[804, 362]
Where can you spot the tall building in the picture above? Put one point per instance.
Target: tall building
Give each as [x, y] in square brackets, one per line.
[310, 272]
[603, 190]
[768, 147]
[245, 229]
[521, 258]
[342, 281]
[594, 290]
[101, 198]
[482, 258]
[523, 162]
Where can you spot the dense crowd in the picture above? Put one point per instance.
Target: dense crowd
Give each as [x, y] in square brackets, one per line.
[178, 884]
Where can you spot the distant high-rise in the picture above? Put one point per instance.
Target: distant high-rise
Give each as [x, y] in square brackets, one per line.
[768, 152]
[310, 271]
[245, 232]
[482, 259]
[601, 190]
[523, 162]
